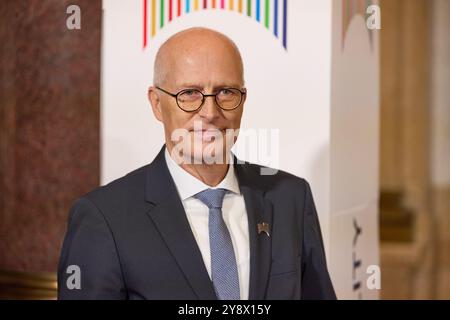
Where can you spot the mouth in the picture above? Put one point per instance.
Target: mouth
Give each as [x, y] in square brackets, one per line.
[208, 134]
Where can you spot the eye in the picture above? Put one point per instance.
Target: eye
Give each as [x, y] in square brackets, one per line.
[190, 95]
[190, 92]
[225, 92]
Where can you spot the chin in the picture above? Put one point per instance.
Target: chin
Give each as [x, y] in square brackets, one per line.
[196, 150]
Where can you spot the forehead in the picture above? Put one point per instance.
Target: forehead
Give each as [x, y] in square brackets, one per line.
[199, 56]
[201, 66]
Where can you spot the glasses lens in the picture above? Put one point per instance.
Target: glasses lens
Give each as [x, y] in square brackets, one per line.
[229, 98]
[190, 99]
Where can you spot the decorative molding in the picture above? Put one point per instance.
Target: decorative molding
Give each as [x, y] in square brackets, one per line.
[28, 285]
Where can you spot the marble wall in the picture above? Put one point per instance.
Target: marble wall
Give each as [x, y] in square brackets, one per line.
[49, 125]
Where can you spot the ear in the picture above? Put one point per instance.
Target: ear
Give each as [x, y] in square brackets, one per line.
[155, 102]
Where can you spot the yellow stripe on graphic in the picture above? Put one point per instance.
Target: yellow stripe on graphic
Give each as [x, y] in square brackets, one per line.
[153, 18]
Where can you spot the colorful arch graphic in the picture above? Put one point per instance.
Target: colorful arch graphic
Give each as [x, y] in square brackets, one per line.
[271, 14]
[351, 8]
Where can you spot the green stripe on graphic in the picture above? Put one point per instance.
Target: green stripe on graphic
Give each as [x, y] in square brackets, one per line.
[267, 14]
[161, 14]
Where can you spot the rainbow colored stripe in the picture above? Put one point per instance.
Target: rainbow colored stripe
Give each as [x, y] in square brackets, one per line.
[351, 8]
[271, 14]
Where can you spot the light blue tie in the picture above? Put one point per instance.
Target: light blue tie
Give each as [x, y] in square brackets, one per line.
[223, 261]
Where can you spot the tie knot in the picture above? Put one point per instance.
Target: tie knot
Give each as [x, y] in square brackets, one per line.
[213, 198]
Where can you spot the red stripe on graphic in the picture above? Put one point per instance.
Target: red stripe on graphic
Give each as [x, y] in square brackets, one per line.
[145, 23]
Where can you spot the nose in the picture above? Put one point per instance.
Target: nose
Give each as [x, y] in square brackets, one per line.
[210, 110]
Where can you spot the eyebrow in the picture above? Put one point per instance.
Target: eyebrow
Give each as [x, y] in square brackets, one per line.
[201, 88]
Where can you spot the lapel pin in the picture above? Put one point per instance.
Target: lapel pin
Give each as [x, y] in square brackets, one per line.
[263, 227]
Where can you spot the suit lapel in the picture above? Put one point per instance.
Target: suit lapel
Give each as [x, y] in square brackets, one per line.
[170, 219]
[259, 210]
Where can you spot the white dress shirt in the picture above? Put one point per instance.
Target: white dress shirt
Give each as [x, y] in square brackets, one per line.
[233, 211]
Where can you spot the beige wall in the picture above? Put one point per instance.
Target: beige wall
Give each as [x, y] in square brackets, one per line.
[440, 140]
[415, 144]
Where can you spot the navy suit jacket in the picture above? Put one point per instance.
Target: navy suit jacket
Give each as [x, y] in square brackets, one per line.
[131, 240]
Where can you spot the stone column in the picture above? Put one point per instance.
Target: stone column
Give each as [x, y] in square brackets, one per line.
[49, 134]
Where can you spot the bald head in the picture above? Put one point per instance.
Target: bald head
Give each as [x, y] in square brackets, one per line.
[191, 49]
[193, 62]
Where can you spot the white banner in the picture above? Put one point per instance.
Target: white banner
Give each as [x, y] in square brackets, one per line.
[295, 94]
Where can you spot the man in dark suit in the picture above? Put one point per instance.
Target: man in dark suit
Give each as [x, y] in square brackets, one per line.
[196, 223]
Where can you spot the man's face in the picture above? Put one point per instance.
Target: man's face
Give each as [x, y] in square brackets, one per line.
[208, 65]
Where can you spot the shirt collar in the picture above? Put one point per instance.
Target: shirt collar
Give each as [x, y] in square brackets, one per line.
[188, 185]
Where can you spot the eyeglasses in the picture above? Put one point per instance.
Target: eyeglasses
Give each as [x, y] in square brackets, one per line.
[191, 100]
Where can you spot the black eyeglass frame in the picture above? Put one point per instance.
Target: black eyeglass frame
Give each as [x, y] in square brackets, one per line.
[204, 96]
